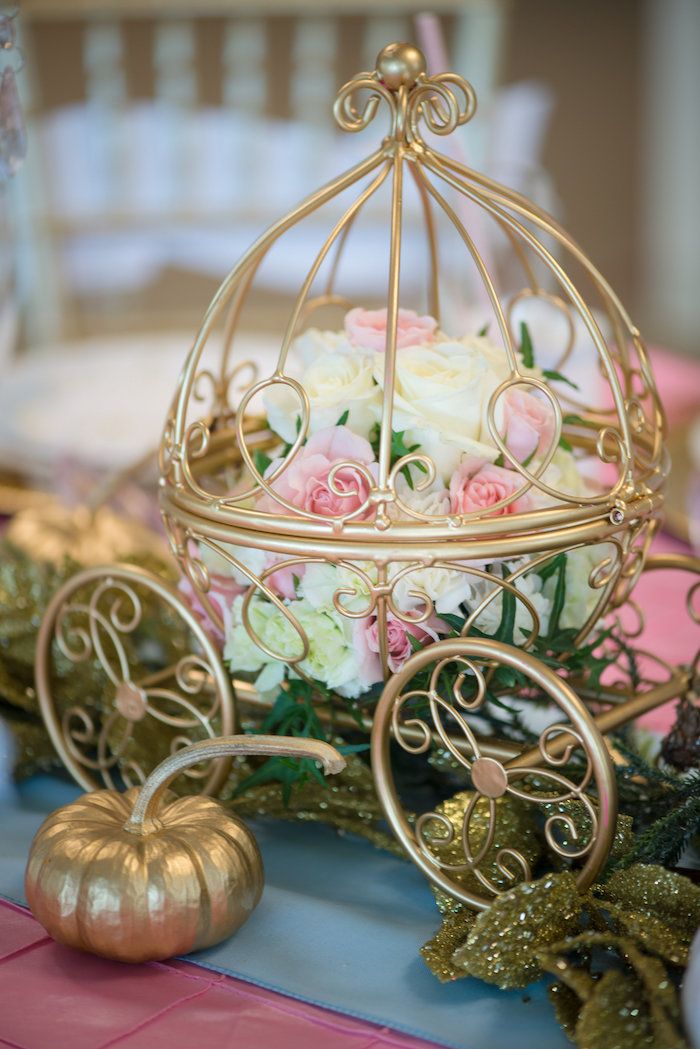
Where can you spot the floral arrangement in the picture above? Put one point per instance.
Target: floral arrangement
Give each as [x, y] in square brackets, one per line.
[452, 468]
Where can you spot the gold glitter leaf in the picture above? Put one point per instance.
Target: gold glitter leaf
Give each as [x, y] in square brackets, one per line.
[438, 952]
[501, 947]
[567, 1006]
[649, 1009]
[650, 889]
[616, 1016]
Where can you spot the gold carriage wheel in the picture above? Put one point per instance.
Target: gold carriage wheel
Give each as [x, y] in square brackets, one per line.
[197, 674]
[492, 777]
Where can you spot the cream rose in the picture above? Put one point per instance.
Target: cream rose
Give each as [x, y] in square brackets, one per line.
[314, 342]
[441, 399]
[434, 501]
[335, 384]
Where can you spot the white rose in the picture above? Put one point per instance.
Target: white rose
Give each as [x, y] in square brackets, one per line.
[335, 383]
[441, 399]
[314, 342]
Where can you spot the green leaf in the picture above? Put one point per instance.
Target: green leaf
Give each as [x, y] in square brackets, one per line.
[272, 771]
[526, 348]
[573, 420]
[499, 460]
[343, 418]
[555, 376]
[483, 332]
[456, 622]
[559, 598]
[550, 567]
[507, 624]
[261, 461]
[373, 439]
[565, 444]
[399, 449]
[288, 447]
[414, 642]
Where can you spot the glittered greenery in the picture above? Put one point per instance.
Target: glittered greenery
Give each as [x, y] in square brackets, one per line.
[616, 951]
[26, 587]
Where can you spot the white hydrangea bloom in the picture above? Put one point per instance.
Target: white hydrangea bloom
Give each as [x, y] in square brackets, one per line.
[331, 658]
[447, 589]
[433, 500]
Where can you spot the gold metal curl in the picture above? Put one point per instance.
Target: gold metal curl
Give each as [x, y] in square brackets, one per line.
[434, 101]
[348, 116]
[93, 743]
[490, 779]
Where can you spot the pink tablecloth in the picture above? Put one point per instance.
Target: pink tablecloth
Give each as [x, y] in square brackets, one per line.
[58, 998]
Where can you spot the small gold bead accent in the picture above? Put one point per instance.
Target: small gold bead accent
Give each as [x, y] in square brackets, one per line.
[400, 65]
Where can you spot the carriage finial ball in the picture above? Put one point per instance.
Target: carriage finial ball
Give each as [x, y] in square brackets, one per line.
[400, 65]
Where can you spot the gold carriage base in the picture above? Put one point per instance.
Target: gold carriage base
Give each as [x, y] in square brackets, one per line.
[113, 623]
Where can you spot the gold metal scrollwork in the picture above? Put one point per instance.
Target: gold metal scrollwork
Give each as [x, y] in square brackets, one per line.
[92, 617]
[545, 781]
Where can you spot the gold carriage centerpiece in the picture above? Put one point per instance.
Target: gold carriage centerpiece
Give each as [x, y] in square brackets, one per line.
[412, 528]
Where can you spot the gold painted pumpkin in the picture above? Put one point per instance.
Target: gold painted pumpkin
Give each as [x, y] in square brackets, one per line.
[139, 876]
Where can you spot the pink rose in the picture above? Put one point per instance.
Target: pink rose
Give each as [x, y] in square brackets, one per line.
[477, 484]
[222, 591]
[305, 483]
[528, 422]
[398, 634]
[367, 328]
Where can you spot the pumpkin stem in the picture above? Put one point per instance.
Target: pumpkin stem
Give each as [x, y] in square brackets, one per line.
[143, 817]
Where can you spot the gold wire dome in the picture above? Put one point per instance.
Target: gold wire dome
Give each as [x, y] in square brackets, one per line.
[626, 434]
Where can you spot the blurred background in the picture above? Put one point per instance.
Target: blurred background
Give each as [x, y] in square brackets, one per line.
[163, 135]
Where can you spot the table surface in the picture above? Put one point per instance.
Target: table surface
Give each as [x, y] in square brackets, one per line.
[339, 926]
